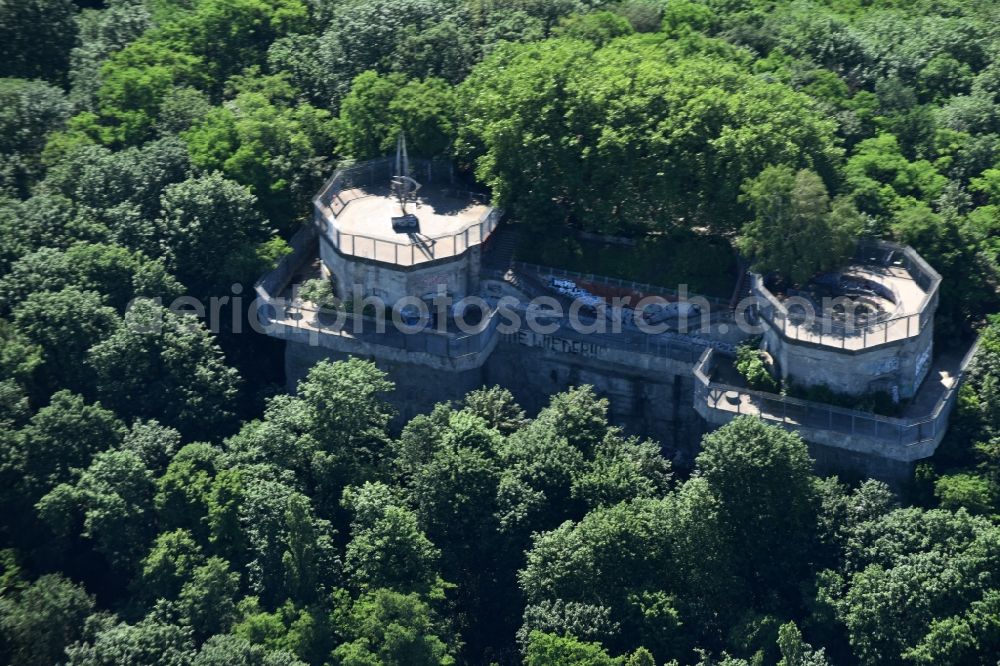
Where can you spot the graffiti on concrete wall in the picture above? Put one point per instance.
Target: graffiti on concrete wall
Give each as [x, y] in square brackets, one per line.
[558, 344]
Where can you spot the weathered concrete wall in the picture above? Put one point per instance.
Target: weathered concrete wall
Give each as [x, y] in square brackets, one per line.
[652, 402]
[418, 387]
[648, 396]
[426, 349]
[903, 363]
[459, 275]
[854, 465]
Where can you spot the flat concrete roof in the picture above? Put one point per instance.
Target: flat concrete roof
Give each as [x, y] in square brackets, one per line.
[889, 271]
[448, 224]
[369, 212]
[908, 295]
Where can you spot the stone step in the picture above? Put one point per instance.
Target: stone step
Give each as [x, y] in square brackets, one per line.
[500, 254]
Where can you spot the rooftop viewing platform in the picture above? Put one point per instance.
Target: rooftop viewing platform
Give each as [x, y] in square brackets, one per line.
[721, 395]
[356, 208]
[886, 294]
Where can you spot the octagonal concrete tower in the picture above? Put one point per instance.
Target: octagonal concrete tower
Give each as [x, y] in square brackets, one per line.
[866, 328]
[398, 227]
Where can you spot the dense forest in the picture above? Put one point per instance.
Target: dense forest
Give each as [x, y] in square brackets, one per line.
[163, 501]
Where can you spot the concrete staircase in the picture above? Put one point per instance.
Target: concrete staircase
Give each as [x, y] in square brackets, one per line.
[499, 256]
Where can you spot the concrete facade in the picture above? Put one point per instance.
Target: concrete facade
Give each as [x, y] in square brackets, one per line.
[657, 386]
[648, 396]
[889, 350]
[458, 276]
[902, 364]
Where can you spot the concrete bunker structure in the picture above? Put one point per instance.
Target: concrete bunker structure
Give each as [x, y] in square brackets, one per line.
[354, 214]
[868, 328]
[672, 386]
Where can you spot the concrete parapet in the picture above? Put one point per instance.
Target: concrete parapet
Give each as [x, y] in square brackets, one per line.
[902, 439]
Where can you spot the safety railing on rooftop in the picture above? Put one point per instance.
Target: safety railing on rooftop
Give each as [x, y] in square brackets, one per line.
[806, 414]
[275, 312]
[821, 329]
[348, 184]
[321, 323]
[424, 249]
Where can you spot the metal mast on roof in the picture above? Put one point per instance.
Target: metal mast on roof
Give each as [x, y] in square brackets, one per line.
[404, 188]
[402, 160]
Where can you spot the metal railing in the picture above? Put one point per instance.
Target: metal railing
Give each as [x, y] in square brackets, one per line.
[378, 170]
[423, 250]
[320, 323]
[824, 330]
[275, 311]
[806, 414]
[303, 244]
[347, 184]
[278, 311]
[638, 287]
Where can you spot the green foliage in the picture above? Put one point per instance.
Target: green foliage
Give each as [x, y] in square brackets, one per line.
[29, 111]
[65, 325]
[164, 365]
[207, 601]
[134, 82]
[113, 500]
[685, 126]
[43, 221]
[42, 620]
[796, 231]
[883, 180]
[795, 651]
[390, 628]
[170, 563]
[751, 467]
[898, 567]
[230, 650]
[497, 407]
[211, 233]
[287, 631]
[596, 27]
[388, 549]
[350, 417]
[975, 493]
[269, 141]
[63, 437]
[183, 492]
[19, 356]
[378, 108]
[36, 37]
[150, 641]
[414, 37]
[121, 190]
[200, 125]
[963, 639]
[201, 48]
[114, 272]
[550, 650]
[319, 291]
[750, 365]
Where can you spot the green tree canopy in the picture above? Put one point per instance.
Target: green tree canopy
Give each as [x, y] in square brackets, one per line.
[36, 37]
[390, 628]
[42, 620]
[29, 111]
[269, 141]
[378, 108]
[165, 365]
[796, 231]
[637, 134]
